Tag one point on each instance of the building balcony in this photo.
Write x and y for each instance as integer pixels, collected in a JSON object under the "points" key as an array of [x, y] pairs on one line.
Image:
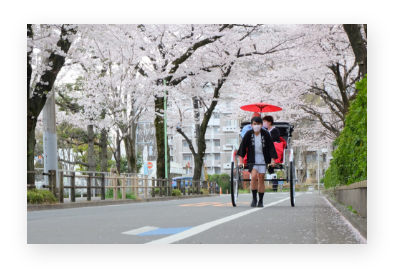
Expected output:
{"points": [[227, 166], [229, 128], [214, 122], [227, 148]]}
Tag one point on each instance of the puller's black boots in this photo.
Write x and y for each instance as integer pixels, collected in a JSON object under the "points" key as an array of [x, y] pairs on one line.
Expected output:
{"points": [[260, 200], [254, 202]]}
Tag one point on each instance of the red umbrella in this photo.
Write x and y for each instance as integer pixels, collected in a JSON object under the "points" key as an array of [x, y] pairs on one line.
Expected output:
{"points": [[261, 107]]}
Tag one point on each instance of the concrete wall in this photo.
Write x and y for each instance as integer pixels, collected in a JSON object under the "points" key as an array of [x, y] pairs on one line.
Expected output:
{"points": [[354, 195]]}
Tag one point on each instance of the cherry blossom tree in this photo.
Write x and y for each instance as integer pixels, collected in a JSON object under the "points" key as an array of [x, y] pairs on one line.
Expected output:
{"points": [[220, 65], [47, 46], [315, 81], [308, 70]]}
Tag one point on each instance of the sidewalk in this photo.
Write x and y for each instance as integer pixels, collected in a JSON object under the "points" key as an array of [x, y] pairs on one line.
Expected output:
{"points": [[358, 222], [96, 201]]}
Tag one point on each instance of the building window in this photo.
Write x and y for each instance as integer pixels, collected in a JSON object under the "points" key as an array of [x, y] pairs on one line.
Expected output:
{"points": [[324, 157], [216, 143], [208, 130], [217, 170], [216, 128], [187, 158], [230, 123], [228, 158], [185, 143], [231, 141], [216, 116], [206, 156], [217, 157]]}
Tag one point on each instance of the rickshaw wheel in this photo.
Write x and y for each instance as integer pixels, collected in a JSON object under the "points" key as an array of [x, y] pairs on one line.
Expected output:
{"points": [[292, 186]]}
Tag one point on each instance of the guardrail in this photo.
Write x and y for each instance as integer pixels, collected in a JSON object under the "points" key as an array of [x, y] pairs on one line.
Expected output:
{"points": [[123, 182], [52, 181], [195, 188]]}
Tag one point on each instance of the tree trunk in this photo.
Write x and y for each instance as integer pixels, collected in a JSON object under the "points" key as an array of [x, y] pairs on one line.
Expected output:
{"points": [[304, 164], [91, 157], [130, 149], [201, 150], [31, 148], [130, 154], [200, 141], [118, 154], [356, 41], [103, 151], [159, 126]]}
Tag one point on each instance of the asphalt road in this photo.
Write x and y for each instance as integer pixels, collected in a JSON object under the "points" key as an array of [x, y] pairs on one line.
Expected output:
{"points": [[210, 220]]}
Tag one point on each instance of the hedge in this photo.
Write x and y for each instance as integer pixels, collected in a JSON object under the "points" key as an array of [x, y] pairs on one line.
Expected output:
{"points": [[36, 196], [349, 163]]}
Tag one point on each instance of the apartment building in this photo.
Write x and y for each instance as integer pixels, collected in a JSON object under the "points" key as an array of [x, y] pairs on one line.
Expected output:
{"points": [[220, 132]]}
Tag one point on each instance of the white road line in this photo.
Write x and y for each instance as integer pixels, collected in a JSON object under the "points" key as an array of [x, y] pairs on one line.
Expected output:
{"points": [[206, 226], [139, 230]]}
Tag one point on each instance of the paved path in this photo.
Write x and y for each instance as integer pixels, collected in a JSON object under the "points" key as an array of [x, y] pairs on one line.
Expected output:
{"points": [[210, 220]]}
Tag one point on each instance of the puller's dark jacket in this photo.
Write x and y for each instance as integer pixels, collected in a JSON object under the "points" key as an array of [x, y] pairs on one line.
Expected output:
{"points": [[268, 147]]}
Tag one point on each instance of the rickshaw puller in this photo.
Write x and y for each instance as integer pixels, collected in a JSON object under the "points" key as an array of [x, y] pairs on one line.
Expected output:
{"points": [[260, 151]]}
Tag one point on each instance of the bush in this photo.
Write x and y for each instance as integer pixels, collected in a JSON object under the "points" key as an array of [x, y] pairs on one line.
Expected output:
{"points": [[110, 194], [203, 191], [176, 192], [36, 196], [214, 178], [224, 182], [157, 191], [349, 163], [322, 180]]}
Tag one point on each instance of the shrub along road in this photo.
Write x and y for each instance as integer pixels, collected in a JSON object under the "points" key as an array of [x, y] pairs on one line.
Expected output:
{"points": [[208, 220]]}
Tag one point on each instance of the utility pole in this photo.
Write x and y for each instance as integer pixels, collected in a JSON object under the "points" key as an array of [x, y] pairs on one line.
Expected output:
{"points": [[165, 132], [50, 137]]}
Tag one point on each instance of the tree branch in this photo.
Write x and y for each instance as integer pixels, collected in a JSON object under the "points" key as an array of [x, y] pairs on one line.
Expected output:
{"points": [[179, 130], [74, 162]]}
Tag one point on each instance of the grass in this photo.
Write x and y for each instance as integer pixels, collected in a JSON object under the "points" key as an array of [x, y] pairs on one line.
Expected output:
{"points": [[176, 192], [244, 191], [36, 196], [350, 208], [204, 191], [110, 194]]}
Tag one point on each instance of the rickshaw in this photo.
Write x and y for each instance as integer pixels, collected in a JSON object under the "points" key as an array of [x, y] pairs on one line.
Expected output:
{"points": [[287, 165]]}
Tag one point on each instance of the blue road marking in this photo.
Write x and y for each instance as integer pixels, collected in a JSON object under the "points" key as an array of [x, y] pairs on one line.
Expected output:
{"points": [[164, 231]]}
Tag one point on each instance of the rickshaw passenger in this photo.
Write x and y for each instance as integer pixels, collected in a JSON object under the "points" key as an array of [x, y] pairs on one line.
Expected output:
{"points": [[268, 122], [261, 151], [279, 142]]}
